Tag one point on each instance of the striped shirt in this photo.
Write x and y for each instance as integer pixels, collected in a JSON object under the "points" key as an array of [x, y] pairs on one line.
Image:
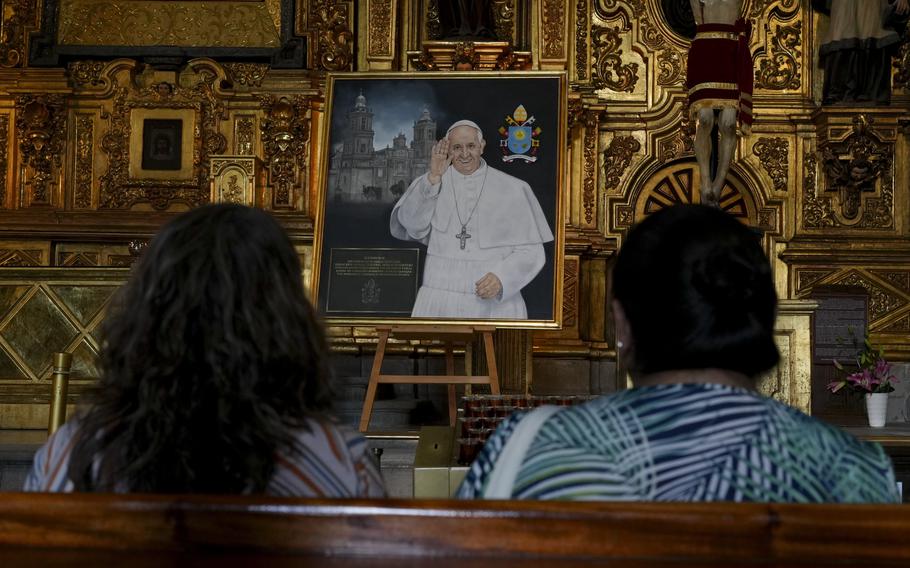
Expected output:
{"points": [[326, 461], [689, 442]]}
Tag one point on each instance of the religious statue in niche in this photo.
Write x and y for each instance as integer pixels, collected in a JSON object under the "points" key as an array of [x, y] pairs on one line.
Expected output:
{"points": [[719, 81], [856, 52], [466, 19]]}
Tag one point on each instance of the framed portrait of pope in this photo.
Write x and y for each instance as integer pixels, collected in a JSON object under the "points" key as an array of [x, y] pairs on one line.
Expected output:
{"points": [[441, 199]]}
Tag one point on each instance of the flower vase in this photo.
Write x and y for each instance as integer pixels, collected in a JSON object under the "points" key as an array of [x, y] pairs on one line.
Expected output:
{"points": [[877, 408]]}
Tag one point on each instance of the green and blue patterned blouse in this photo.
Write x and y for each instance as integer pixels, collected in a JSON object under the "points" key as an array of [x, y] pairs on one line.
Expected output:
{"points": [[690, 442]]}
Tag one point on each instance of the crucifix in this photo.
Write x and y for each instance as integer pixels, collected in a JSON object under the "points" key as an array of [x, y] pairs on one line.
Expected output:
{"points": [[463, 236]]}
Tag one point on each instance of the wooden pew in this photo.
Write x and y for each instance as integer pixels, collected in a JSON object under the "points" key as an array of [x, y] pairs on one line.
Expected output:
{"points": [[54, 529]]}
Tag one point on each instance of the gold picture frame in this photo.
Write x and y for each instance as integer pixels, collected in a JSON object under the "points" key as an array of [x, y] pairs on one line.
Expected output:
{"points": [[378, 134], [175, 128]]}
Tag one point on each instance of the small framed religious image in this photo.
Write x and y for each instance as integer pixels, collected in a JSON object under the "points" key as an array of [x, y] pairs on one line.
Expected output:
{"points": [[161, 144], [161, 140], [441, 199]]}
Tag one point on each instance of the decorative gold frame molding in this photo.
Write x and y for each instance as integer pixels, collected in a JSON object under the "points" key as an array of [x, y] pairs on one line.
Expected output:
{"points": [[118, 189], [559, 223]]}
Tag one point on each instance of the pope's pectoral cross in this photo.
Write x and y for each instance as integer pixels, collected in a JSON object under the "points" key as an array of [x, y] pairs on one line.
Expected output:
{"points": [[463, 236]]}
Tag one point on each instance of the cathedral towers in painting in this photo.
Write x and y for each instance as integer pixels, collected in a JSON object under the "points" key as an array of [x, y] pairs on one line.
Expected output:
{"points": [[360, 172]]}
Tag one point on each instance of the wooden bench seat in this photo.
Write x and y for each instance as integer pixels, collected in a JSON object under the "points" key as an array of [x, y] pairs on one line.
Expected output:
{"points": [[55, 529]]}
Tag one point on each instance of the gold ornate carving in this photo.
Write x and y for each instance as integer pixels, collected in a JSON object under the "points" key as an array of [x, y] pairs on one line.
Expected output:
{"points": [[766, 218], [331, 21], [674, 184], [244, 132], [185, 24], [902, 65], [589, 189], [86, 73], [609, 71], [670, 64], [570, 292], [234, 179], [581, 39], [617, 157], [881, 301], [433, 27], [285, 131], [625, 216], [85, 150], [606, 8], [17, 17], [901, 325], [511, 60], [247, 74], [853, 168], [554, 21], [504, 19], [78, 259], [817, 212], [899, 279], [380, 27], [780, 70], [4, 144], [41, 130], [425, 62], [806, 279], [466, 55], [137, 247], [118, 190], [575, 112], [678, 145], [15, 257], [773, 154], [760, 6]]}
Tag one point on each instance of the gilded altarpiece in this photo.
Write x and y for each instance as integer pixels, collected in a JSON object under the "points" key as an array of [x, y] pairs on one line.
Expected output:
{"points": [[826, 186]]}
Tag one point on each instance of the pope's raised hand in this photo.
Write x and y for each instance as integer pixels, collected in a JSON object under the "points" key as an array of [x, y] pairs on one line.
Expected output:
{"points": [[439, 161]]}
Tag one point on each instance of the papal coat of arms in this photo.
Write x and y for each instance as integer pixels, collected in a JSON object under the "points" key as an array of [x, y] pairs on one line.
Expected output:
{"points": [[519, 137]]}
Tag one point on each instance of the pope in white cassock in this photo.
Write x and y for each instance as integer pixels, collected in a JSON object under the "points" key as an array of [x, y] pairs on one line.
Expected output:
{"points": [[483, 228]]}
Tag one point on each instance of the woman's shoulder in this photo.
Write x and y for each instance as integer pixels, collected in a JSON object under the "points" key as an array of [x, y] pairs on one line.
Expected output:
{"points": [[50, 467], [326, 459], [331, 438]]}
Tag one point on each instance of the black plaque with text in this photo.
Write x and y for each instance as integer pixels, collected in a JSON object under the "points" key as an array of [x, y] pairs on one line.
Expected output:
{"points": [[373, 281]]}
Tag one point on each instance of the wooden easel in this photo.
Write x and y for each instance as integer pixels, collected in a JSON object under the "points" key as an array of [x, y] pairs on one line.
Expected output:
{"points": [[450, 335]]}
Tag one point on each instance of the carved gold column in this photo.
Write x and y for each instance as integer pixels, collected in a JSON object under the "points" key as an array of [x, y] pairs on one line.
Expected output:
{"points": [[6, 165], [377, 25], [285, 132], [17, 19], [553, 35], [513, 349], [40, 130], [329, 26]]}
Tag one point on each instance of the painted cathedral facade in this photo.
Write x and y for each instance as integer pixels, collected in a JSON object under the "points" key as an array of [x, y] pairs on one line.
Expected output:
{"points": [[358, 172]]}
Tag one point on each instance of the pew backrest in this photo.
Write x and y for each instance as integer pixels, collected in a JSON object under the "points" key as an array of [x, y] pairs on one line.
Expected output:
{"points": [[653, 533]]}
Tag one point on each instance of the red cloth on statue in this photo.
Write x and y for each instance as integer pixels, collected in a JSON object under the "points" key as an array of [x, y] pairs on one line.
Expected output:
{"points": [[719, 71]]}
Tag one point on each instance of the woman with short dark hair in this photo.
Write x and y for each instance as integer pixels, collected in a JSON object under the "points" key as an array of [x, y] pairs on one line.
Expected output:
{"points": [[214, 376], [694, 307]]}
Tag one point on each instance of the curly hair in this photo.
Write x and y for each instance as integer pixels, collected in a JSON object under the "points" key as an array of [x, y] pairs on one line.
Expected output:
{"points": [[211, 357]]}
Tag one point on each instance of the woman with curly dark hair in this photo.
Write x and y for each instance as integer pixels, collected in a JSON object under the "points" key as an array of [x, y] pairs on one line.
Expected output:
{"points": [[214, 376]]}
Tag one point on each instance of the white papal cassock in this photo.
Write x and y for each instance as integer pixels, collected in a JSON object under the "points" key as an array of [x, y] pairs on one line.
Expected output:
{"points": [[507, 230]]}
